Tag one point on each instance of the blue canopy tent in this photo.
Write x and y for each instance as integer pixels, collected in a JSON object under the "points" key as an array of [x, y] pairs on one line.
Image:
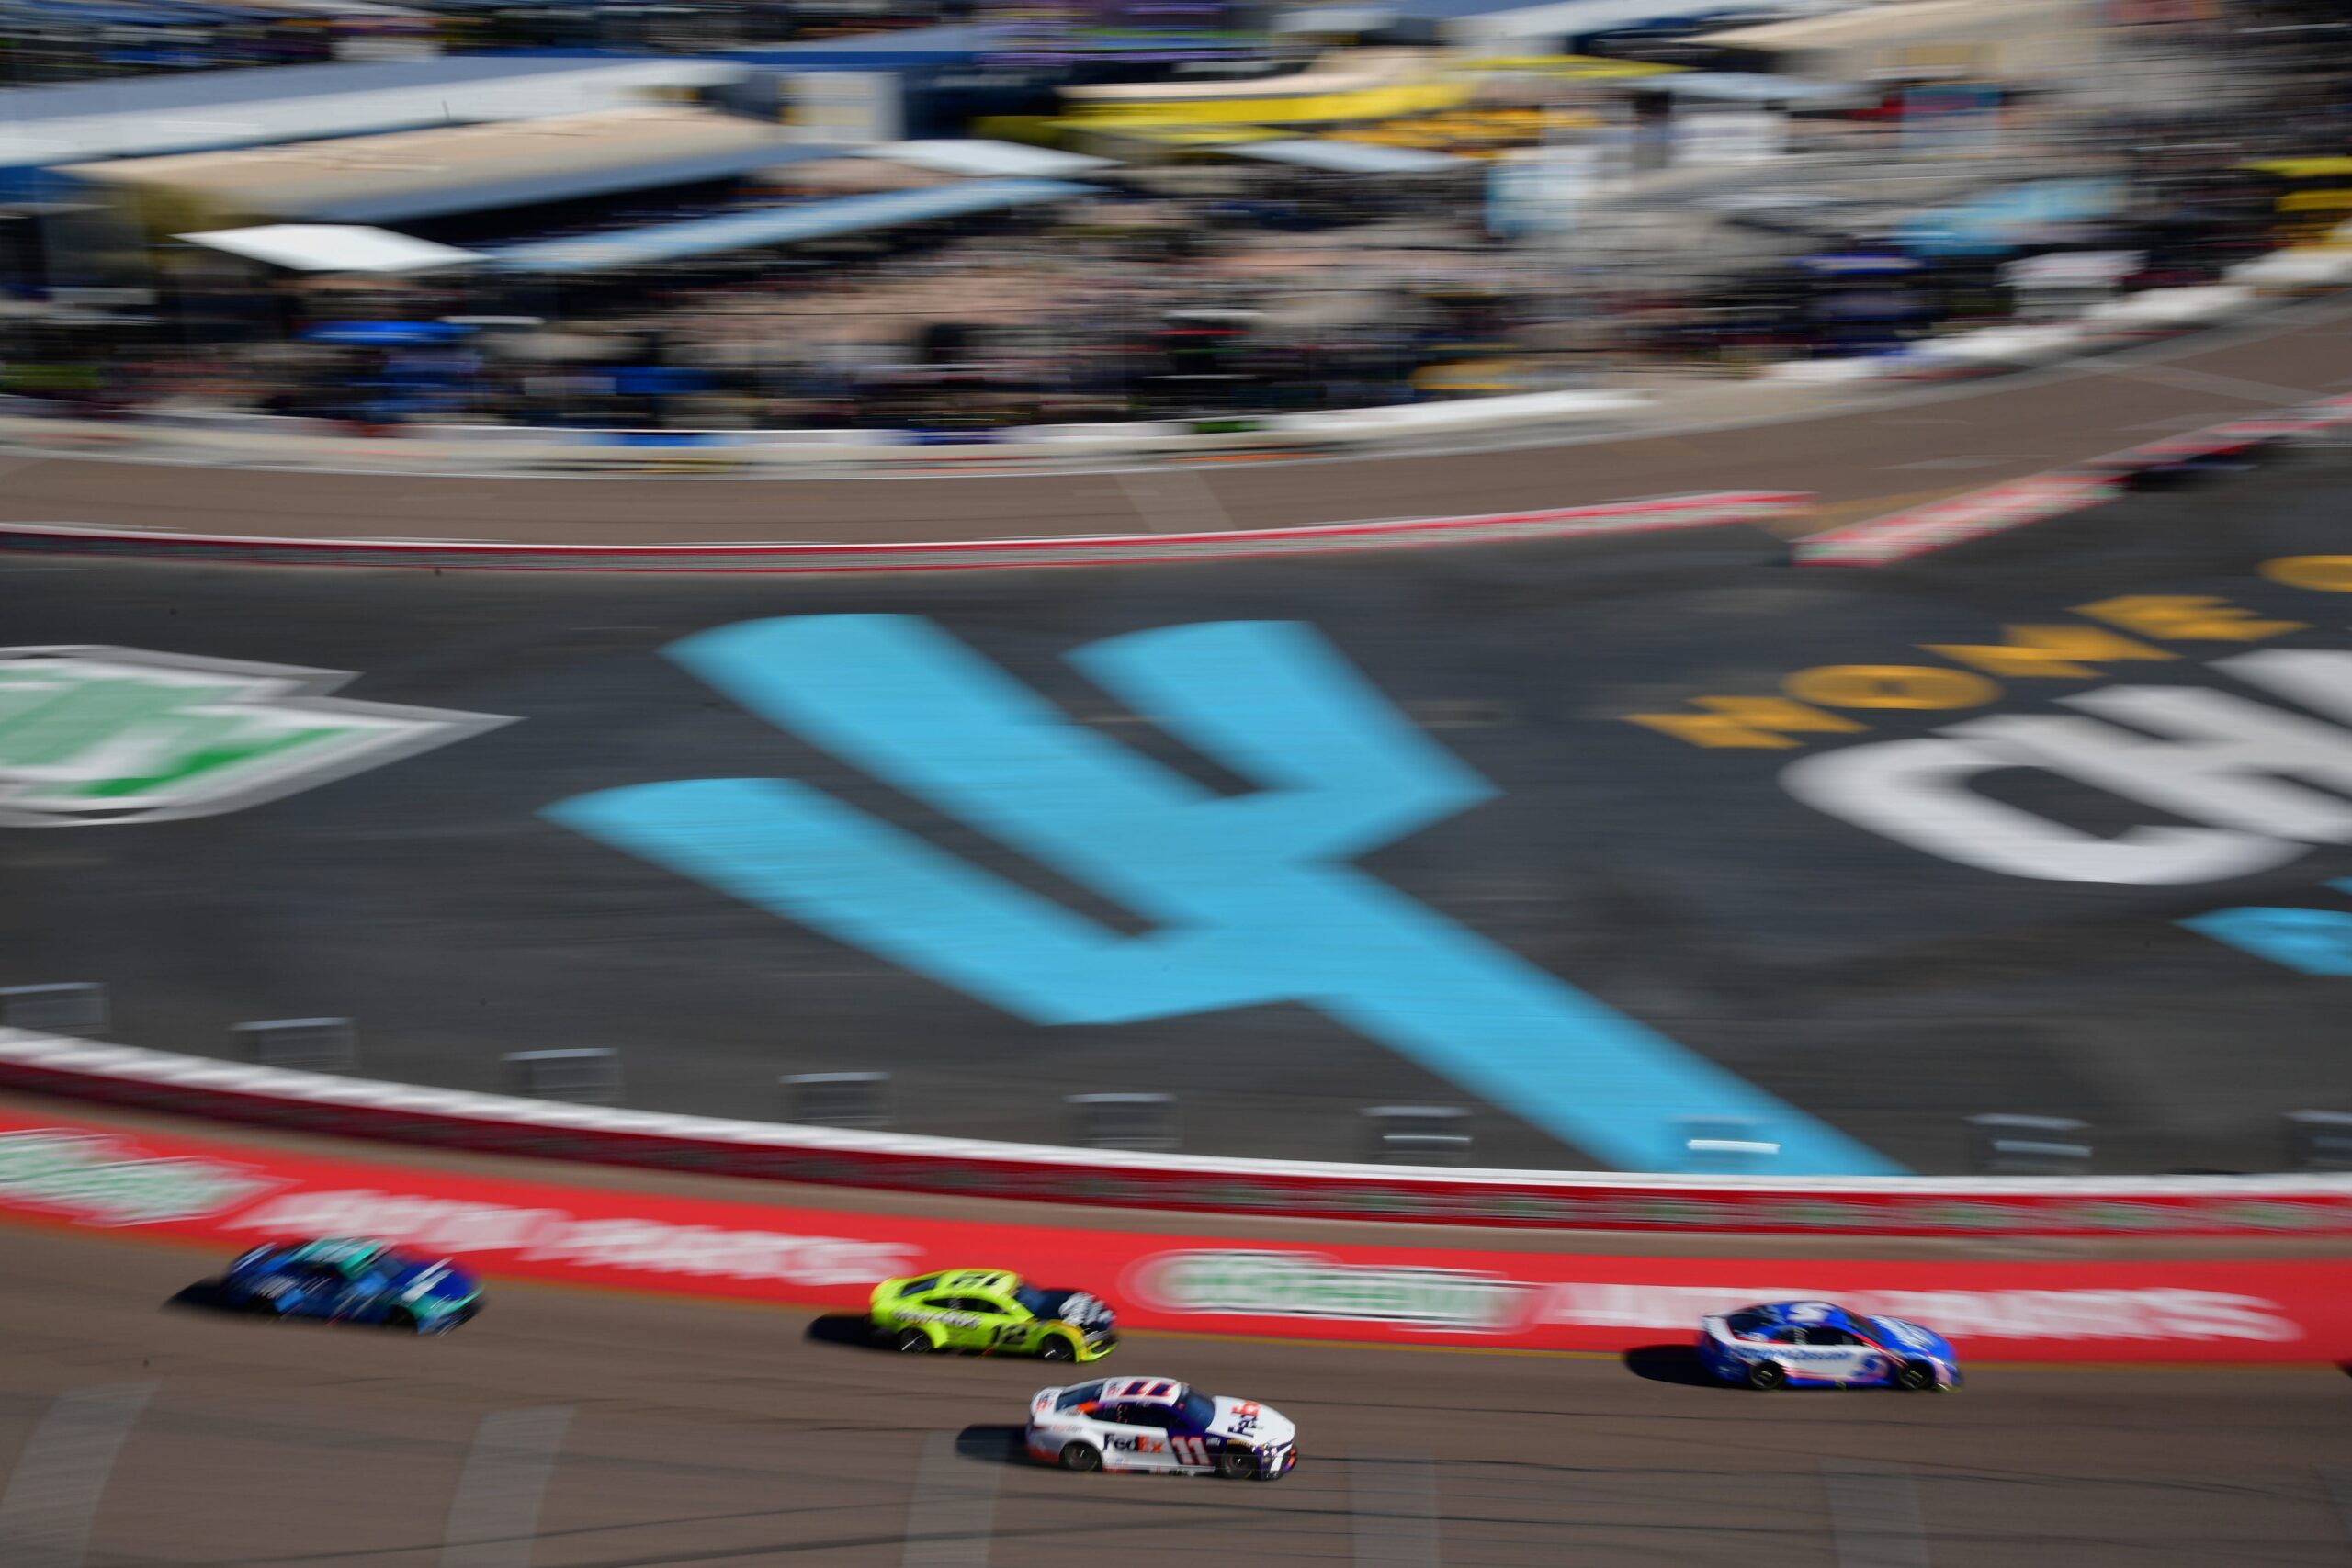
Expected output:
{"points": [[2011, 218], [384, 334], [660, 380], [107, 16], [1864, 264], [954, 43]]}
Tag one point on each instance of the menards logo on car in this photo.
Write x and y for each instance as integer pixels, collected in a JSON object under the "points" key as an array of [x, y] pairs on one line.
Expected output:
{"points": [[104, 1180], [101, 735], [2239, 769], [1300, 1285]]}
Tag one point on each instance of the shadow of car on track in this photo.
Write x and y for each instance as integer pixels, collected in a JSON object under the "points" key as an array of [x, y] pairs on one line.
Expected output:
{"points": [[993, 1445], [846, 1329], [207, 1295], [1673, 1363]]}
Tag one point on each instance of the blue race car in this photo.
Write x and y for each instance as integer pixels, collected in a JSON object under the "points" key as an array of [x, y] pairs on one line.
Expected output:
{"points": [[350, 1281], [1819, 1344]]}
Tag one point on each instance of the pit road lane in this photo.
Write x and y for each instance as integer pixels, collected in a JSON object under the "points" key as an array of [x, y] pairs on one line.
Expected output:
{"points": [[713, 1436]]}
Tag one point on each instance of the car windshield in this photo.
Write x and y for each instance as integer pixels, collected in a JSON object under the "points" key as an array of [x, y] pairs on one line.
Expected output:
{"points": [[917, 1287], [1747, 1323], [1199, 1412], [1041, 1304], [1073, 1398]]}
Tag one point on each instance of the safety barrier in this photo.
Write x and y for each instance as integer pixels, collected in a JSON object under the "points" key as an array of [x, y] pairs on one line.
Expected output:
{"points": [[2012, 346], [489, 450], [2109, 326], [2295, 1205], [1112, 550], [1939, 525], [277, 441], [75, 1174]]}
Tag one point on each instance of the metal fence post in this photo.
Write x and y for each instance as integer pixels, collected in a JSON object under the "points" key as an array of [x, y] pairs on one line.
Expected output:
{"points": [[585, 1075], [72, 1007], [310, 1044]]}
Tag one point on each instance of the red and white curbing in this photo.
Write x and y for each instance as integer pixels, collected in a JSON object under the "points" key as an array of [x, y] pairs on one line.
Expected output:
{"points": [[2300, 1206], [1921, 530], [1757, 507], [1939, 525]]}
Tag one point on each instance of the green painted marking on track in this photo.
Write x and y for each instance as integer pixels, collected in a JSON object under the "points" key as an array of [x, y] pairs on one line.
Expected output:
{"points": [[189, 764], [93, 735]]}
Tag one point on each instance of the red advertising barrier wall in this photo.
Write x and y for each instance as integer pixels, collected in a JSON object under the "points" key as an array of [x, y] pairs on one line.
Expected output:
{"points": [[320, 1102], [76, 1175]]}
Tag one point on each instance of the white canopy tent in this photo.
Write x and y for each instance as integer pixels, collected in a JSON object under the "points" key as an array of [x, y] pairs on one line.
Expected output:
{"points": [[1342, 156], [332, 247], [140, 117], [987, 160]]}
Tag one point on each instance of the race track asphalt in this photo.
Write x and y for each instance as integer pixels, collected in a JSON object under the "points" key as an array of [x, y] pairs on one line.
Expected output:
{"points": [[437, 903], [675, 1434], [443, 904], [672, 1434], [1898, 444]]}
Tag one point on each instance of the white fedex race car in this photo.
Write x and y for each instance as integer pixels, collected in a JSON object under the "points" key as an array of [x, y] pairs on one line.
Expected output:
{"points": [[1158, 1424], [1820, 1343]]}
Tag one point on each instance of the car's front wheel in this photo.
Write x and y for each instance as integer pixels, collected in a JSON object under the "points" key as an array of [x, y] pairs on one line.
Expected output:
{"points": [[262, 1306], [1232, 1466], [1916, 1377], [914, 1342], [1766, 1375], [1057, 1348], [1080, 1457], [400, 1320]]}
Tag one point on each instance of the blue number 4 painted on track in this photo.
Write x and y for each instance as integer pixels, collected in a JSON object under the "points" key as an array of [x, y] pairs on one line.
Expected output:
{"points": [[2315, 941], [1251, 897]]}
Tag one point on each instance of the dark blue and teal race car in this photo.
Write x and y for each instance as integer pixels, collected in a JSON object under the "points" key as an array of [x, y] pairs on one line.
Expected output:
{"points": [[1821, 1345], [349, 1281]]}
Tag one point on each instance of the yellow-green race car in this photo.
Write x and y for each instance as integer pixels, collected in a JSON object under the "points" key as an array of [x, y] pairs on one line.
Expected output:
{"points": [[991, 1312]]}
